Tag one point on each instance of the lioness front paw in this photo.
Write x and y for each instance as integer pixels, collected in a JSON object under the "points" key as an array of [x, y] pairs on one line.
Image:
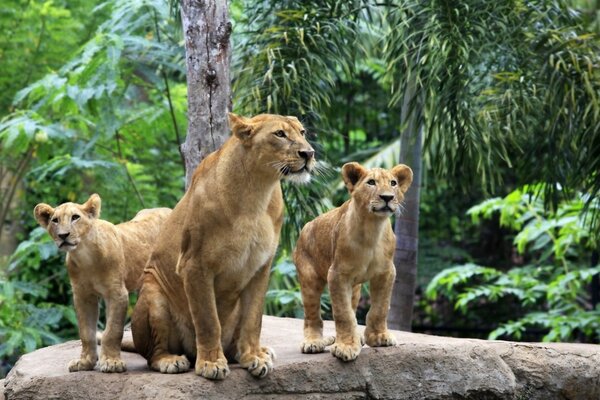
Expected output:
{"points": [[259, 365], [171, 364], [212, 370], [81, 364], [317, 345], [109, 364], [381, 339], [345, 352]]}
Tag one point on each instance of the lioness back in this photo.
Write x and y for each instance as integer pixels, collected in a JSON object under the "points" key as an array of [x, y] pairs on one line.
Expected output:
{"points": [[138, 236]]}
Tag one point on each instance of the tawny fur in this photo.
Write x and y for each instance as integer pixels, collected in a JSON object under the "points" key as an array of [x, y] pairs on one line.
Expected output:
{"points": [[205, 283], [346, 247], [103, 261]]}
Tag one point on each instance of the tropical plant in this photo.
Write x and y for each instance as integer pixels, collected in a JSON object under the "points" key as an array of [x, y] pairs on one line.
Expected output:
{"points": [[550, 286]]}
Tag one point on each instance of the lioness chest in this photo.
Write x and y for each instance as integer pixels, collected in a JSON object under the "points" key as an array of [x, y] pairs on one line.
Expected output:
{"points": [[236, 251]]}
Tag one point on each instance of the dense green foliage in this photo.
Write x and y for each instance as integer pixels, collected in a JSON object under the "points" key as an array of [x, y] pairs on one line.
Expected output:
{"points": [[549, 275], [94, 100]]}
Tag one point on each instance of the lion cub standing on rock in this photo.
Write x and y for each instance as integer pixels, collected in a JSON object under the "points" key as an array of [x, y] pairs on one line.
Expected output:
{"points": [[345, 247], [103, 260]]}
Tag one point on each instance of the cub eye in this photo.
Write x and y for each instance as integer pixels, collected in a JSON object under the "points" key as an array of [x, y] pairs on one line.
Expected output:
{"points": [[394, 183], [75, 217], [55, 220], [280, 133], [371, 182], [303, 132]]}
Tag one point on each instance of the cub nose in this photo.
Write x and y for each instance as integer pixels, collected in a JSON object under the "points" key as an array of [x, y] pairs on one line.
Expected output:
{"points": [[306, 154], [63, 236], [386, 197]]}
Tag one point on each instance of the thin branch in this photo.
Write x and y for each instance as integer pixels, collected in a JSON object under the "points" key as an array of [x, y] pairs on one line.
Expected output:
{"points": [[168, 94], [131, 180], [20, 172]]}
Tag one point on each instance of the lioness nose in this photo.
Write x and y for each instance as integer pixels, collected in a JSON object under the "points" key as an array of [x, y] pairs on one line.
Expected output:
{"points": [[386, 197], [306, 154], [63, 236]]}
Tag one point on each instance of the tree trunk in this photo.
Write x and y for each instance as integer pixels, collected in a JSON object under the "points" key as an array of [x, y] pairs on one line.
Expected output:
{"points": [[207, 30], [407, 225]]}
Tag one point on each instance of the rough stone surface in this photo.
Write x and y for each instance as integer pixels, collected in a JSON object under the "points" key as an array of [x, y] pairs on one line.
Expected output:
{"points": [[420, 367]]}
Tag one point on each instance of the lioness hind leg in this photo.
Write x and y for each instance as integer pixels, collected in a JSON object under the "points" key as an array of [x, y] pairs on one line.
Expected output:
{"points": [[376, 332], [150, 327], [311, 287]]}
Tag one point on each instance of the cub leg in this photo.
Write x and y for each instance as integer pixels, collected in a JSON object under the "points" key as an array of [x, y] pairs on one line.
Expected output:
{"points": [[355, 296], [198, 283], [258, 360], [311, 287], [151, 328], [116, 311], [376, 332], [348, 342], [86, 308]]}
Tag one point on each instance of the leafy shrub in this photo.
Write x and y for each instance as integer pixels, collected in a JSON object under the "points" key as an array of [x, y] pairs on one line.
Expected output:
{"points": [[550, 285]]}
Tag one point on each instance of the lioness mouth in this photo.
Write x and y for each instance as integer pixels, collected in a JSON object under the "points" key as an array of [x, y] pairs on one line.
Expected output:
{"points": [[385, 208], [287, 170], [65, 243]]}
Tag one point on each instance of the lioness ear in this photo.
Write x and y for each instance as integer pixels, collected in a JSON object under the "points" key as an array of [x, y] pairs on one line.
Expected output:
{"points": [[240, 126], [404, 175], [351, 173], [42, 213], [92, 206]]}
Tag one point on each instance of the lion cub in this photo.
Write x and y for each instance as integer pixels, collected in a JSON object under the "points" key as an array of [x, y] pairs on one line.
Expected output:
{"points": [[346, 247], [103, 260]]}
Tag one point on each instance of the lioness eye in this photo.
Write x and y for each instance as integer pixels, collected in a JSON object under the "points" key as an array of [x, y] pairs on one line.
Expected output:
{"points": [[280, 133], [371, 182], [55, 220], [303, 132], [394, 183], [75, 217]]}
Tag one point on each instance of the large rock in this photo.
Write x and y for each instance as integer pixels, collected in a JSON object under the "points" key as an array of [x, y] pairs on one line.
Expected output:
{"points": [[420, 367]]}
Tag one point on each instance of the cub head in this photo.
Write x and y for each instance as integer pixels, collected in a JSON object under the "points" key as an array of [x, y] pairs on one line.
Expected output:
{"points": [[378, 191], [69, 223], [276, 144]]}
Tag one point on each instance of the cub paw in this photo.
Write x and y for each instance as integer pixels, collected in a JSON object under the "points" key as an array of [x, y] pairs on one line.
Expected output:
{"points": [[108, 364], [212, 370], [381, 339], [259, 365], [345, 352], [312, 346], [81, 364], [172, 364]]}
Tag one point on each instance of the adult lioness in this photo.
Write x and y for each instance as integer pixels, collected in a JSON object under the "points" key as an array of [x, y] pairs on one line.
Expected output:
{"points": [[103, 261], [206, 279], [345, 247]]}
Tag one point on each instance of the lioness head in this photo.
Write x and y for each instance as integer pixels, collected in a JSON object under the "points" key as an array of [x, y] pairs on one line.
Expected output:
{"points": [[278, 144], [377, 190], [68, 223]]}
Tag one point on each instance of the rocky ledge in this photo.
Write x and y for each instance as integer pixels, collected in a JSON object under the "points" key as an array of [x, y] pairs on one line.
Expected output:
{"points": [[420, 367]]}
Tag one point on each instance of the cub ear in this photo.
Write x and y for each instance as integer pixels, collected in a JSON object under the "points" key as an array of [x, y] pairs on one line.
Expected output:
{"points": [[240, 126], [92, 206], [42, 213], [404, 175], [351, 173]]}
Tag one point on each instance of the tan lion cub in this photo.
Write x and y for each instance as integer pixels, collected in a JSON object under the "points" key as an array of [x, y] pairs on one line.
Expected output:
{"points": [[346, 247], [103, 261]]}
